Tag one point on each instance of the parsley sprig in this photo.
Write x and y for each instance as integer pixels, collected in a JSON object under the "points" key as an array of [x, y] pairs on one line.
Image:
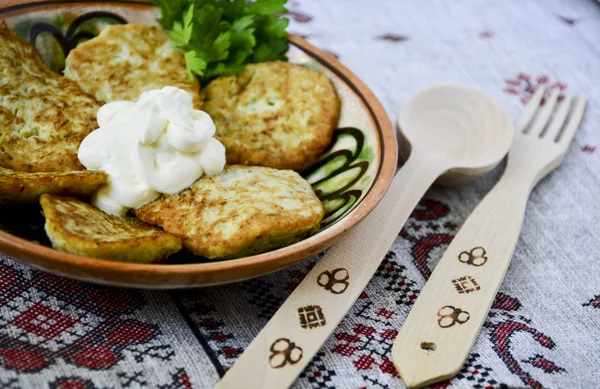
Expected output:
{"points": [[218, 37]]}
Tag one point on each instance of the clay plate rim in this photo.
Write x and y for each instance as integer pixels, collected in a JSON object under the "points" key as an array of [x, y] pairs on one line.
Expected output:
{"points": [[167, 276]]}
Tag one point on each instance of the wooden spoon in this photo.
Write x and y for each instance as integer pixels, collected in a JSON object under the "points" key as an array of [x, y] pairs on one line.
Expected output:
{"points": [[452, 130]]}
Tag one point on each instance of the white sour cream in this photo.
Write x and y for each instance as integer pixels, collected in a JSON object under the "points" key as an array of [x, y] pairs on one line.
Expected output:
{"points": [[159, 144]]}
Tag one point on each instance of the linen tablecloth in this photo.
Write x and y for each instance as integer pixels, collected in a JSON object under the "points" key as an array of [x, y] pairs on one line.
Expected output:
{"points": [[544, 328]]}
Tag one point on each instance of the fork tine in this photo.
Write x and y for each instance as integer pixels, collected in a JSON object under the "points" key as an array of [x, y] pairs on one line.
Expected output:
{"points": [[537, 128], [530, 109], [559, 118], [573, 123]]}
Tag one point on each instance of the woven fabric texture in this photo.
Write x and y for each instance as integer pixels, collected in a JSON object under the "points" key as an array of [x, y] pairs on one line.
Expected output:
{"points": [[544, 328]]}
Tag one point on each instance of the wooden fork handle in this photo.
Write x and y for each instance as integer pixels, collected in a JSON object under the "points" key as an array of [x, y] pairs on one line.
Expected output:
{"points": [[308, 317], [440, 330]]}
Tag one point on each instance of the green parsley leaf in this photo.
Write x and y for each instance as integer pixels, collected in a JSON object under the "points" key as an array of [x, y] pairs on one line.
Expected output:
{"points": [[194, 64], [267, 7], [187, 24], [219, 37], [245, 22], [176, 34], [170, 11]]}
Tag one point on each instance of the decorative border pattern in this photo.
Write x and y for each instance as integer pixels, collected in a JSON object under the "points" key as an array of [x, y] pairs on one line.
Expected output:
{"points": [[74, 35]]}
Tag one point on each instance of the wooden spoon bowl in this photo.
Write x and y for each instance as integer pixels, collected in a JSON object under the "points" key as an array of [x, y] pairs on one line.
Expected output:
{"points": [[471, 129]]}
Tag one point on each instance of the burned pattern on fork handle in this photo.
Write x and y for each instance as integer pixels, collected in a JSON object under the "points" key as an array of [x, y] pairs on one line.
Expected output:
{"points": [[466, 284], [476, 257], [335, 281], [449, 316], [284, 352]]}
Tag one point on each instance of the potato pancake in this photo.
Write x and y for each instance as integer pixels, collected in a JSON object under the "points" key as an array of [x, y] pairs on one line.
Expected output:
{"points": [[242, 211], [274, 114], [43, 116], [77, 227], [17, 187], [125, 60]]}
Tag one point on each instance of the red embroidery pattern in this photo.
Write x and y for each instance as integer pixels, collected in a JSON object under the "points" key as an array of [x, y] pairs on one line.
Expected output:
{"points": [[393, 275], [504, 324], [569, 21], [49, 317], [506, 303], [204, 316], [367, 347], [485, 34], [72, 383], [544, 364], [595, 302], [44, 319], [299, 16], [425, 232], [475, 373], [524, 86], [318, 374], [501, 337], [393, 37]]}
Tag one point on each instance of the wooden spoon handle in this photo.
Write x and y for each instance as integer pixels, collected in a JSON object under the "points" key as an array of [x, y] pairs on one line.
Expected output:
{"points": [[308, 317], [440, 330]]}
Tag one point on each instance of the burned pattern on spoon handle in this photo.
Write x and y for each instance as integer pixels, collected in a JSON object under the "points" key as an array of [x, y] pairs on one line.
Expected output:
{"points": [[335, 281]]}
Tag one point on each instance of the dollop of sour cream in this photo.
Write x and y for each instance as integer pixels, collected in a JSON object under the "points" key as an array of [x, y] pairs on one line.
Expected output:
{"points": [[159, 144]]}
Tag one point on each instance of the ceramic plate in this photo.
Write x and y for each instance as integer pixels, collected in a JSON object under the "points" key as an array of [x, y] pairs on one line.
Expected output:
{"points": [[350, 177]]}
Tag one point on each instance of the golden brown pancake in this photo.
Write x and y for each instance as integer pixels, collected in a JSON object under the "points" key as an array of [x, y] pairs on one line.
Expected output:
{"points": [[28, 187], [43, 116], [274, 114], [77, 227], [244, 210], [125, 60]]}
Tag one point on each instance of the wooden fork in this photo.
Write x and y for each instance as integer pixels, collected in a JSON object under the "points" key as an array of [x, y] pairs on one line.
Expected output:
{"points": [[440, 330]]}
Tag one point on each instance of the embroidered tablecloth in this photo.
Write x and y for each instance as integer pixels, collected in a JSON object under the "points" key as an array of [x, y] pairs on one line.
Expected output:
{"points": [[544, 328]]}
